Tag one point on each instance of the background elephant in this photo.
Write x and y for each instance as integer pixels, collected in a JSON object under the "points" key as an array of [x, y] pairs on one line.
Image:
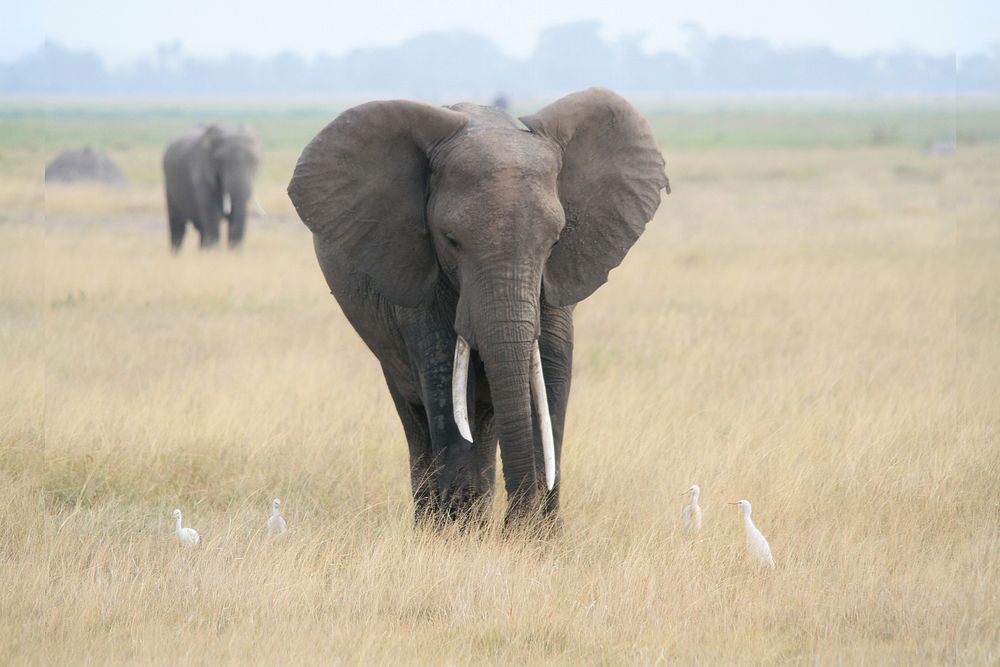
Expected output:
{"points": [[457, 242], [84, 164], [209, 174]]}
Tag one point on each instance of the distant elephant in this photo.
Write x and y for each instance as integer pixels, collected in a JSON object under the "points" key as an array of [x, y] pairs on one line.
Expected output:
{"points": [[457, 242], [209, 173], [84, 164]]}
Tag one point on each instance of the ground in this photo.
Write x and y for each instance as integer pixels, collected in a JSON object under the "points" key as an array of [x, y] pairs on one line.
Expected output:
{"points": [[811, 322]]}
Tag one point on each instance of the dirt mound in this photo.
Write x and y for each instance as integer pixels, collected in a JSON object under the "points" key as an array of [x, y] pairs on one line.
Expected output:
{"points": [[84, 164]]}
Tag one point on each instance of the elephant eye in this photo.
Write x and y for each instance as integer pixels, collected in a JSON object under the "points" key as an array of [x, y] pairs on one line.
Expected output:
{"points": [[451, 240]]}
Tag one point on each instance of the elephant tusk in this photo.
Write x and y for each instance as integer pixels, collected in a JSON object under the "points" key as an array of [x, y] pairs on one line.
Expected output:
{"points": [[544, 418], [227, 204], [459, 384]]}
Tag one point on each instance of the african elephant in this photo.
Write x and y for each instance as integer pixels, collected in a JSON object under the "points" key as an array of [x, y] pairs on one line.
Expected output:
{"points": [[457, 242], [209, 174]]}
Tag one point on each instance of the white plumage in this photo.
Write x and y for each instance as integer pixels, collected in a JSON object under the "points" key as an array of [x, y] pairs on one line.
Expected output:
{"points": [[757, 545], [691, 514], [276, 523], [189, 537]]}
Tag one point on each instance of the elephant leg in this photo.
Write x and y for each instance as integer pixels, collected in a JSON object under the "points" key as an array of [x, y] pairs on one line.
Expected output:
{"points": [[235, 231], [209, 233], [209, 215], [178, 223], [556, 347], [458, 475], [430, 348], [485, 436], [423, 469], [237, 220], [483, 422]]}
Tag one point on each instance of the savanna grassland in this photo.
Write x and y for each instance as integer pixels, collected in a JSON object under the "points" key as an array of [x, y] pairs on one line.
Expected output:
{"points": [[812, 321]]}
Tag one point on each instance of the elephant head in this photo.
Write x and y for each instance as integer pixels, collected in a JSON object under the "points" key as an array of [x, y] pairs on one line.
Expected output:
{"points": [[416, 196], [234, 158]]}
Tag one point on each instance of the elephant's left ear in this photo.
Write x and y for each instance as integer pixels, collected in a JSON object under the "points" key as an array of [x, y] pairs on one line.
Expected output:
{"points": [[610, 181]]}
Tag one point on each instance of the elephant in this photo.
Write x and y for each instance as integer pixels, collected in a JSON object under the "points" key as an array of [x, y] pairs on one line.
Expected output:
{"points": [[457, 243], [84, 164], [209, 172]]}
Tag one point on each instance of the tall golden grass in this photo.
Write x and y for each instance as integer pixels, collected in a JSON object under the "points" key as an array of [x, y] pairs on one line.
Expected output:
{"points": [[815, 330]]}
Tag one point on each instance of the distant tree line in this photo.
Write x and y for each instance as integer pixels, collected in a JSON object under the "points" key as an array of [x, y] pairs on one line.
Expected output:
{"points": [[457, 63]]}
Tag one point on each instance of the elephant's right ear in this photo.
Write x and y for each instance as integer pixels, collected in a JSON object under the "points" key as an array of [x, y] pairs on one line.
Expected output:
{"points": [[361, 185]]}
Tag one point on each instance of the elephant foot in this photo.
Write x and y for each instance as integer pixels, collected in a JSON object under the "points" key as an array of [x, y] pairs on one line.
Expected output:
{"points": [[466, 507], [462, 507], [536, 515], [426, 509], [540, 526]]}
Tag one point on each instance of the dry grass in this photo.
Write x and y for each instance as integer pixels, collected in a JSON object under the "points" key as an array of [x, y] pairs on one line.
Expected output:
{"points": [[816, 330]]}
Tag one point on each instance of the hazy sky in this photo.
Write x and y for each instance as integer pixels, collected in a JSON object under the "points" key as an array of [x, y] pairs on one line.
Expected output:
{"points": [[121, 30]]}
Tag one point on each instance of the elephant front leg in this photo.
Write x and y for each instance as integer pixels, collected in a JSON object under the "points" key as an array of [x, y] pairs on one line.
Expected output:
{"points": [[209, 234], [556, 347], [177, 222], [237, 223], [208, 219], [423, 471], [458, 481], [485, 436]]}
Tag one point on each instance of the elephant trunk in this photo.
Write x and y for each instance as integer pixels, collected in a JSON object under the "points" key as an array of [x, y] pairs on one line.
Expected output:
{"points": [[507, 359], [237, 189], [459, 393], [504, 322]]}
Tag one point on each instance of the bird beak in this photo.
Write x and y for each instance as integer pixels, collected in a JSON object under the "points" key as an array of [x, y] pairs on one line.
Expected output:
{"points": [[732, 503]]}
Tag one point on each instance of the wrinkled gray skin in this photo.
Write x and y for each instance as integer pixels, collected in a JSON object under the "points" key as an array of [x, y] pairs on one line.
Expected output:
{"points": [[430, 222], [200, 168]]}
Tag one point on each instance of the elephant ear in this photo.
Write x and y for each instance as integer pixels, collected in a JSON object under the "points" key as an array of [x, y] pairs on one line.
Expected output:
{"points": [[361, 186], [609, 185]]}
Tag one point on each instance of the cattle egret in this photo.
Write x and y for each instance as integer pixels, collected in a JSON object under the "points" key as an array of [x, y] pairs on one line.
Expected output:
{"points": [[189, 537], [275, 523], [691, 514], [756, 544]]}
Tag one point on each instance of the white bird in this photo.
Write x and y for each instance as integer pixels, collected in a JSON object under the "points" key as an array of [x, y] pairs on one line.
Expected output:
{"points": [[756, 543], [691, 514], [189, 537], [275, 523]]}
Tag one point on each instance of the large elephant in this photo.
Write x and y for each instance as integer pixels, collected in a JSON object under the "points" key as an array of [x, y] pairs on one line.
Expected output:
{"points": [[209, 173], [457, 242]]}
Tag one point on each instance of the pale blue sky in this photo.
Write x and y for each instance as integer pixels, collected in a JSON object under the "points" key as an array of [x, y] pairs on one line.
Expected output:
{"points": [[122, 30]]}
